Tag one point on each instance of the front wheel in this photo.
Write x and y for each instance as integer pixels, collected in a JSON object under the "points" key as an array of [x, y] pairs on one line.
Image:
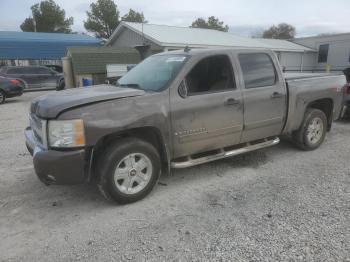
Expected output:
{"points": [[313, 130], [2, 97], [128, 169]]}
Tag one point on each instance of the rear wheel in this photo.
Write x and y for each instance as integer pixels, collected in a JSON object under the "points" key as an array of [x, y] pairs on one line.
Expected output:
{"points": [[61, 85], [313, 130], [2, 97], [129, 169]]}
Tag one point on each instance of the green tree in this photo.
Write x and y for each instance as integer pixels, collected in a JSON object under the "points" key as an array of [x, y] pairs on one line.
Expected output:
{"points": [[134, 16], [103, 18], [47, 17], [211, 23], [281, 31]]}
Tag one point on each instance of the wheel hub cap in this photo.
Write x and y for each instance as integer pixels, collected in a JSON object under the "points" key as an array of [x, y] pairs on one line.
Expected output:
{"points": [[133, 173], [315, 130]]}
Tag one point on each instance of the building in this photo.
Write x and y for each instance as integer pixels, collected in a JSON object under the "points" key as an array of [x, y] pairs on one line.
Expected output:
{"points": [[333, 51], [27, 48], [293, 57], [91, 62]]}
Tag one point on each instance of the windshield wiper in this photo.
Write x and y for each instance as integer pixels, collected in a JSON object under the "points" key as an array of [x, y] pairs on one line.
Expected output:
{"points": [[135, 86]]}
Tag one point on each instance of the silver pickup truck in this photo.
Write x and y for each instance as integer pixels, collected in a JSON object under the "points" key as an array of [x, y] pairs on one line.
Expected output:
{"points": [[175, 110]]}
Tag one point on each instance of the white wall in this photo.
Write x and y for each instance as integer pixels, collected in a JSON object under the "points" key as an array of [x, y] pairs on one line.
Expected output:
{"points": [[294, 61], [338, 53]]}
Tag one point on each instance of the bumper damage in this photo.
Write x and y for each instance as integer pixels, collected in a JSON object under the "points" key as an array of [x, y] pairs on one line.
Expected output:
{"points": [[56, 167]]}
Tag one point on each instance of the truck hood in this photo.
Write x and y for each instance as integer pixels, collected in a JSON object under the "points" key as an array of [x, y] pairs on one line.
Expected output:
{"points": [[51, 105]]}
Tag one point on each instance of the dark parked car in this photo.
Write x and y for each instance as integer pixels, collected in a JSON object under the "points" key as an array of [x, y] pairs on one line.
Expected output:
{"points": [[346, 110], [57, 68], [9, 88], [34, 76]]}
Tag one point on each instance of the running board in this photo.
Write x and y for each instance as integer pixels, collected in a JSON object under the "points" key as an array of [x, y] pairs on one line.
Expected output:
{"points": [[190, 161]]}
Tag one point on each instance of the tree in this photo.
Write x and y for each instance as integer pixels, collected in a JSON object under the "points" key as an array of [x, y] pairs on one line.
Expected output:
{"points": [[103, 18], [47, 17], [282, 31], [211, 23], [134, 16]]}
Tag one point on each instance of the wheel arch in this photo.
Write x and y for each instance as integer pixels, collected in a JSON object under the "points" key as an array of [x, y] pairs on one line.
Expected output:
{"points": [[23, 81], [326, 106], [149, 134]]}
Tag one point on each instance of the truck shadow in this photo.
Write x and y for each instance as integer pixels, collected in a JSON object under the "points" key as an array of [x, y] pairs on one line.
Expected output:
{"points": [[88, 194], [253, 160]]}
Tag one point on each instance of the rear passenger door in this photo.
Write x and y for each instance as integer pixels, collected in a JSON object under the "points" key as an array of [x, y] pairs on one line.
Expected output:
{"points": [[264, 95]]}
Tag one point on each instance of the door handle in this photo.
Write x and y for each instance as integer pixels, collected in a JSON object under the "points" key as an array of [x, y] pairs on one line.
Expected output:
{"points": [[231, 101], [276, 95]]}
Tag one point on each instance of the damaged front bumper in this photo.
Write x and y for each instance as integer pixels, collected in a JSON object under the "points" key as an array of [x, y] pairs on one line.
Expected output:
{"points": [[56, 167]]}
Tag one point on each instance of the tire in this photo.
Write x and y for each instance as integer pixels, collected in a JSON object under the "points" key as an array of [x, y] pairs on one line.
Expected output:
{"points": [[135, 163], [312, 131], [2, 97], [61, 86]]}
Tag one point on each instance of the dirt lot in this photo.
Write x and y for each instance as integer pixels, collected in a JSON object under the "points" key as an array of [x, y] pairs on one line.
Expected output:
{"points": [[278, 204]]}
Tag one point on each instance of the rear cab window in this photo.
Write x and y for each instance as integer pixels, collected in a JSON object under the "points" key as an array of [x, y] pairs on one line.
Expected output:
{"points": [[258, 70]]}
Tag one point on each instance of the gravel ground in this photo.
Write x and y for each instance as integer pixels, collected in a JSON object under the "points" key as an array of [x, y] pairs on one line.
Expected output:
{"points": [[277, 204]]}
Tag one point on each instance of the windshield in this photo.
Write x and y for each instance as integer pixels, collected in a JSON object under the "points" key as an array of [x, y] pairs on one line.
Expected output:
{"points": [[154, 73]]}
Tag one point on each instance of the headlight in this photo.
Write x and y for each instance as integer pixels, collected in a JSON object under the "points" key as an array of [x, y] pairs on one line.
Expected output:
{"points": [[66, 133]]}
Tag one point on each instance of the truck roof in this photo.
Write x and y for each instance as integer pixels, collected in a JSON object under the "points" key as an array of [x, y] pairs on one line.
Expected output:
{"points": [[196, 51]]}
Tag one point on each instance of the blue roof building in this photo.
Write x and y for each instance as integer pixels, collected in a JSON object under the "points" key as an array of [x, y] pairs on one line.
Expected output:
{"points": [[40, 46]]}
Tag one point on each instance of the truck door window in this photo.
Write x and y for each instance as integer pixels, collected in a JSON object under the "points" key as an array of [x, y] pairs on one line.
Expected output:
{"points": [[258, 70], [211, 74]]}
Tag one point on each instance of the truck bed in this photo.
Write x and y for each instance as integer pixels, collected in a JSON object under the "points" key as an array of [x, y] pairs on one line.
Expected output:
{"points": [[304, 88], [301, 75]]}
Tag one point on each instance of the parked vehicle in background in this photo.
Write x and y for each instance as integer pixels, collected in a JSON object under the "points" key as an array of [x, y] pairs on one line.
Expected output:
{"points": [[175, 110], [346, 110], [9, 88], [34, 76], [56, 68]]}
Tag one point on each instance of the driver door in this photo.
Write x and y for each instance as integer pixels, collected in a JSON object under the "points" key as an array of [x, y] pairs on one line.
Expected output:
{"points": [[210, 115]]}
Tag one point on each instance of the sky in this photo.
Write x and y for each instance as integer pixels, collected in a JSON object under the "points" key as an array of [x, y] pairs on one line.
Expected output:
{"points": [[245, 18]]}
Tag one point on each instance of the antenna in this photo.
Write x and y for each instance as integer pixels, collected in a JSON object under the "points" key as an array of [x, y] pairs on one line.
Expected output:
{"points": [[187, 49], [143, 36]]}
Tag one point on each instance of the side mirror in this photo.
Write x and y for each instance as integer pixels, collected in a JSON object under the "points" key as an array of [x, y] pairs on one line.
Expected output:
{"points": [[183, 90]]}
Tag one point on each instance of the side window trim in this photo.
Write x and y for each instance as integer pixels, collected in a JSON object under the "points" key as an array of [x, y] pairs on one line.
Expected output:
{"points": [[276, 80], [232, 72]]}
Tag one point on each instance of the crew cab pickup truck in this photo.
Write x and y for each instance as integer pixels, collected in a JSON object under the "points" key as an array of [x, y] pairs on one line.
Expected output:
{"points": [[176, 110]]}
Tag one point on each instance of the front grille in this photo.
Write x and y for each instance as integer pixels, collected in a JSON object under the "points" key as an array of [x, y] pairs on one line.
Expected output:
{"points": [[37, 126]]}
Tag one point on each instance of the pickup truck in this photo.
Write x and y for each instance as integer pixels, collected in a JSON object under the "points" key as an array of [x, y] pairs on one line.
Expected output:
{"points": [[175, 110]]}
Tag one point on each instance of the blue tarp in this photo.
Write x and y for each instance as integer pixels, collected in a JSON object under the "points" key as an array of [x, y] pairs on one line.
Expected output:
{"points": [[36, 46]]}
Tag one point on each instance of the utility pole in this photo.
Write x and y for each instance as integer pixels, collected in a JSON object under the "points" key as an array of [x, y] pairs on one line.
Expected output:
{"points": [[34, 22]]}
